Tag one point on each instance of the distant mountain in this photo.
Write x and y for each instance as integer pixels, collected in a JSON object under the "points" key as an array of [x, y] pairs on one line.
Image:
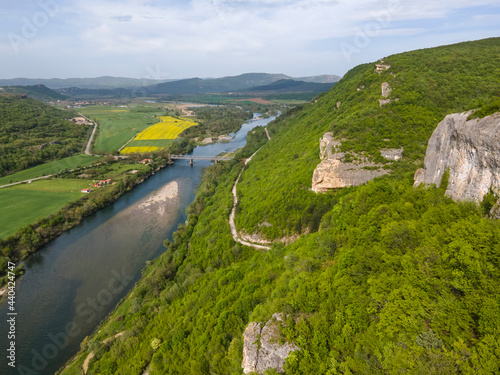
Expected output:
{"points": [[105, 82], [216, 85], [290, 86], [237, 83], [192, 86], [325, 78], [39, 92]]}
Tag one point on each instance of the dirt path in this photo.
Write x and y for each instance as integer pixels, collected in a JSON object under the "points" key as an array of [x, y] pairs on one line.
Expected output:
{"points": [[267, 133], [234, 231], [25, 181], [87, 361], [125, 145], [91, 354]]}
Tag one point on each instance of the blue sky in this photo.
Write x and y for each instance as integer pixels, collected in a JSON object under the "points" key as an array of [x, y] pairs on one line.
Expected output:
{"points": [[163, 39]]}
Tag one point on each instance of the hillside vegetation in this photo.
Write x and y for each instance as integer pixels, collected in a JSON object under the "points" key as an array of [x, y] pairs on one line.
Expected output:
{"points": [[389, 279], [32, 133], [429, 85], [38, 92]]}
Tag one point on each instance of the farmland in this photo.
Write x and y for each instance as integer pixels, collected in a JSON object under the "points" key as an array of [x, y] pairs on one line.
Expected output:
{"points": [[159, 136], [117, 125], [169, 128], [25, 204], [49, 168], [140, 149]]}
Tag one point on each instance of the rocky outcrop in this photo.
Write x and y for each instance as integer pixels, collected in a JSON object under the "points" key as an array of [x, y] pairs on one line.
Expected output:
{"points": [[335, 172], [470, 149], [379, 68], [386, 89], [262, 349], [393, 154]]}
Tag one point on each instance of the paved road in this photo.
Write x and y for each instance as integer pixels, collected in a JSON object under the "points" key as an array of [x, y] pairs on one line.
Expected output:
{"points": [[89, 144]]}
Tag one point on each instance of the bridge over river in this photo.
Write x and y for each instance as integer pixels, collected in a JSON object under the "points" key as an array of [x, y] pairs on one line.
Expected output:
{"points": [[193, 158]]}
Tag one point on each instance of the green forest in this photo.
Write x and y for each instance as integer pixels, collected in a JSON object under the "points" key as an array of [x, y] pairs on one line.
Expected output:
{"points": [[225, 119], [385, 278], [32, 133]]}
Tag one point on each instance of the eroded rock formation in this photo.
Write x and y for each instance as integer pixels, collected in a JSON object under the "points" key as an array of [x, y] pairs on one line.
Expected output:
{"points": [[262, 349], [334, 172], [471, 151]]}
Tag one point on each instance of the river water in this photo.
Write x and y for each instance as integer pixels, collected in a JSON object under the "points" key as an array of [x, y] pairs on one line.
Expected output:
{"points": [[73, 283]]}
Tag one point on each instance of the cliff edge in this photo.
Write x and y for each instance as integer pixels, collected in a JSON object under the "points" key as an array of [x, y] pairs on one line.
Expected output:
{"points": [[470, 149], [336, 171]]}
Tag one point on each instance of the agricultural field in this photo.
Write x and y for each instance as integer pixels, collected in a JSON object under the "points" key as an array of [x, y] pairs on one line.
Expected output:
{"points": [[159, 136], [118, 125], [26, 203], [169, 128], [139, 150], [49, 168]]}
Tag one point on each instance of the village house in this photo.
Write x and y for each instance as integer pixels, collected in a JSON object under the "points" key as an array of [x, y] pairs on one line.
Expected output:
{"points": [[101, 183]]}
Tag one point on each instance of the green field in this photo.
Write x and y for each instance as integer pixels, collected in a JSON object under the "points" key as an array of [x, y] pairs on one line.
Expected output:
{"points": [[117, 125], [26, 203], [49, 168]]}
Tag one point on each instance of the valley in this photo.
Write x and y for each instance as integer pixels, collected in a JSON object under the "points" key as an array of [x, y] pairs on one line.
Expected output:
{"points": [[354, 231]]}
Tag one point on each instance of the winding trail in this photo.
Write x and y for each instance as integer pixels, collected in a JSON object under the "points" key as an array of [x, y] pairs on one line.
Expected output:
{"points": [[234, 231]]}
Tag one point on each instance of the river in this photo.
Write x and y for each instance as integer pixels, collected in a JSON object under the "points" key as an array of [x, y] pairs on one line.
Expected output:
{"points": [[75, 281]]}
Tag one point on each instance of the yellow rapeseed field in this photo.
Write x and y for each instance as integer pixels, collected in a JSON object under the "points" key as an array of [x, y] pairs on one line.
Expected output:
{"points": [[142, 149], [169, 128]]}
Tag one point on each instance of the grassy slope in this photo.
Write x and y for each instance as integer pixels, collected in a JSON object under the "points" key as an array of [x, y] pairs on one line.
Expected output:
{"points": [[397, 279], [429, 85]]}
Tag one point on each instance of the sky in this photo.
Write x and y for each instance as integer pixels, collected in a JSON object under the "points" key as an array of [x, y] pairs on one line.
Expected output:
{"points": [[171, 39]]}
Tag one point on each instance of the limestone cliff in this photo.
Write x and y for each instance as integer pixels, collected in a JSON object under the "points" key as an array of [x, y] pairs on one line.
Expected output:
{"points": [[471, 151], [261, 347], [335, 172]]}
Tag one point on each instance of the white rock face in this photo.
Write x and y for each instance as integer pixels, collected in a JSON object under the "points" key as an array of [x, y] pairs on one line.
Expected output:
{"points": [[261, 347], [333, 172], [471, 151], [386, 90]]}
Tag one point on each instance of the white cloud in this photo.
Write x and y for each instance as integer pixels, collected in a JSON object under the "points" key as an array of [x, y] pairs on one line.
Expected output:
{"points": [[203, 37]]}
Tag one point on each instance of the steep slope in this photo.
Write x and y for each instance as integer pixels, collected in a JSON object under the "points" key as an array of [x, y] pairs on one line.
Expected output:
{"points": [[394, 279], [429, 85]]}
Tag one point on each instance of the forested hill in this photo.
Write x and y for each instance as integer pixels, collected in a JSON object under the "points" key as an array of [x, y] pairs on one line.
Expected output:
{"points": [[32, 133], [38, 92], [384, 278]]}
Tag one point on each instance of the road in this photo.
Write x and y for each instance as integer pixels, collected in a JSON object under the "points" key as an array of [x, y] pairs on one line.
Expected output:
{"points": [[89, 145], [25, 181]]}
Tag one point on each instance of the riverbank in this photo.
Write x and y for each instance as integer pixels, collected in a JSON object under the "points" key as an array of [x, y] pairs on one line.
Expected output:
{"points": [[34, 236], [167, 277]]}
